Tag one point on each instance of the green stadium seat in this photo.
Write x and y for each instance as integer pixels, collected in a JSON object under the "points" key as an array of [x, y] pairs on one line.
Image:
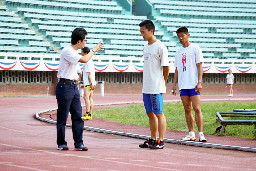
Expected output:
{"points": [[218, 45], [9, 42], [64, 6], [119, 52], [23, 49], [3, 8], [16, 31], [91, 2], [205, 40], [64, 18], [19, 37], [230, 30], [245, 50], [193, 3], [128, 42], [121, 47], [80, 14], [39, 43], [223, 29], [245, 40], [13, 25]]}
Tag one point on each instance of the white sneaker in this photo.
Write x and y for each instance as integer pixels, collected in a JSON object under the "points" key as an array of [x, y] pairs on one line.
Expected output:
{"points": [[189, 137], [202, 138]]}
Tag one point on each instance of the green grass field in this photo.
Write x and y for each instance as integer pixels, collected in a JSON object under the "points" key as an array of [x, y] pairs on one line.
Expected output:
{"points": [[174, 113]]}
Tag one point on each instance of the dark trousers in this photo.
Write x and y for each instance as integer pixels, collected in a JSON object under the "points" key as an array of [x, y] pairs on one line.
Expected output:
{"points": [[68, 99]]}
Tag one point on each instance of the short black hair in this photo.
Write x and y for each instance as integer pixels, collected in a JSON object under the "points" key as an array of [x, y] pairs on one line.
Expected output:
{"points": [[148, 24], [182, 29], [86, 50], [78, 34]]}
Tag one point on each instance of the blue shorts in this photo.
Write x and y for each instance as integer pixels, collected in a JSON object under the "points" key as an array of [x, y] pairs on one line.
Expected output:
{"points": [[188, 92], [153, 103]]}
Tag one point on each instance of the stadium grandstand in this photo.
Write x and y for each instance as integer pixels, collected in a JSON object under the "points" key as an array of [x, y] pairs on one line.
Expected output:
{"points": [[33, 32]]}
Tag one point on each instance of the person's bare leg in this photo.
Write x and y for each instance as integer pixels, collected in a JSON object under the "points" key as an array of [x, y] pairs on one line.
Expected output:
{"points": [[87, 99], [196, 100], [153, 124], [188, 112], [161, 125], [91, 101]]}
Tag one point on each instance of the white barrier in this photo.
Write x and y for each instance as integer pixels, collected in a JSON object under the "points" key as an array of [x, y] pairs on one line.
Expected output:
{"points": [[37, 62]]}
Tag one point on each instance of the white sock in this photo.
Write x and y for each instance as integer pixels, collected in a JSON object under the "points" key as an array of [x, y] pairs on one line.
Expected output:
{"points": [[192, 134], [201, 133]]}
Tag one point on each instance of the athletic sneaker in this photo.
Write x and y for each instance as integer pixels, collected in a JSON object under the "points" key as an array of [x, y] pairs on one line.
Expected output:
{"points": [[62, 147], [230, 95], [146, 143], [81, 148], [87, 116], [189, 137], [157, 144], [202, 138]]}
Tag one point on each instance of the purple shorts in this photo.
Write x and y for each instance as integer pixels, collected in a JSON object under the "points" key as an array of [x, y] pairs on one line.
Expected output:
{"points": [[188, 92]]}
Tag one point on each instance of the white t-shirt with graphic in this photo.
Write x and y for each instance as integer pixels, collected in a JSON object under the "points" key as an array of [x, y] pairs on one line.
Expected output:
{"points": [[155, 57], [89, 67], [69, 58], [186, 60], [230, 78]]}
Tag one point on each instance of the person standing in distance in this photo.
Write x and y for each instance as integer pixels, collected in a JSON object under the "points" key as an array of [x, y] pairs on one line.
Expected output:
{"points": [[189, 74], [155, 75], [89, 85], [230, 81], [67, 94]]}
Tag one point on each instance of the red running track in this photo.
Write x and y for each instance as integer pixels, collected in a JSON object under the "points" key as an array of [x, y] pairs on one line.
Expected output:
{"points": [[28, 144]]}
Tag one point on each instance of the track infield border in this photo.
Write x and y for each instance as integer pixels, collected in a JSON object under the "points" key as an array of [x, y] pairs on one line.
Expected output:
{"points": [[138, 136]]}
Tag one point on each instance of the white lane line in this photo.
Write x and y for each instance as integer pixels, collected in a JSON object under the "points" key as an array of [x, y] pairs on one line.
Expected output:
{"points": [[139, 160], [59, 166], [88, 157], [210, 166], [19, 166], [112, 158], [10, 153], [88, 168], [194, 155], [14, 130], [197, 165], [35, 134]]}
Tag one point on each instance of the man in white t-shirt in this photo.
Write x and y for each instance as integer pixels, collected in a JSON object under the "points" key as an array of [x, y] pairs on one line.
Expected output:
{"points": [[189, 74], [89, 85], [230, 82], [67, 94], [79, 72], [155, 75]]}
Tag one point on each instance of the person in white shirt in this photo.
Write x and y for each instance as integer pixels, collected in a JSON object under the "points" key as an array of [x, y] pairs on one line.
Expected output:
{"points": [[89, 85], [230, 82], [79, 72], [189, 74], [67, 94], [155, 75]]}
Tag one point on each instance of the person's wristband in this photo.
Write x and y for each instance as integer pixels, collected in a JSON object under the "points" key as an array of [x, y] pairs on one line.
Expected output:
{"points": [[93, 50]]}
